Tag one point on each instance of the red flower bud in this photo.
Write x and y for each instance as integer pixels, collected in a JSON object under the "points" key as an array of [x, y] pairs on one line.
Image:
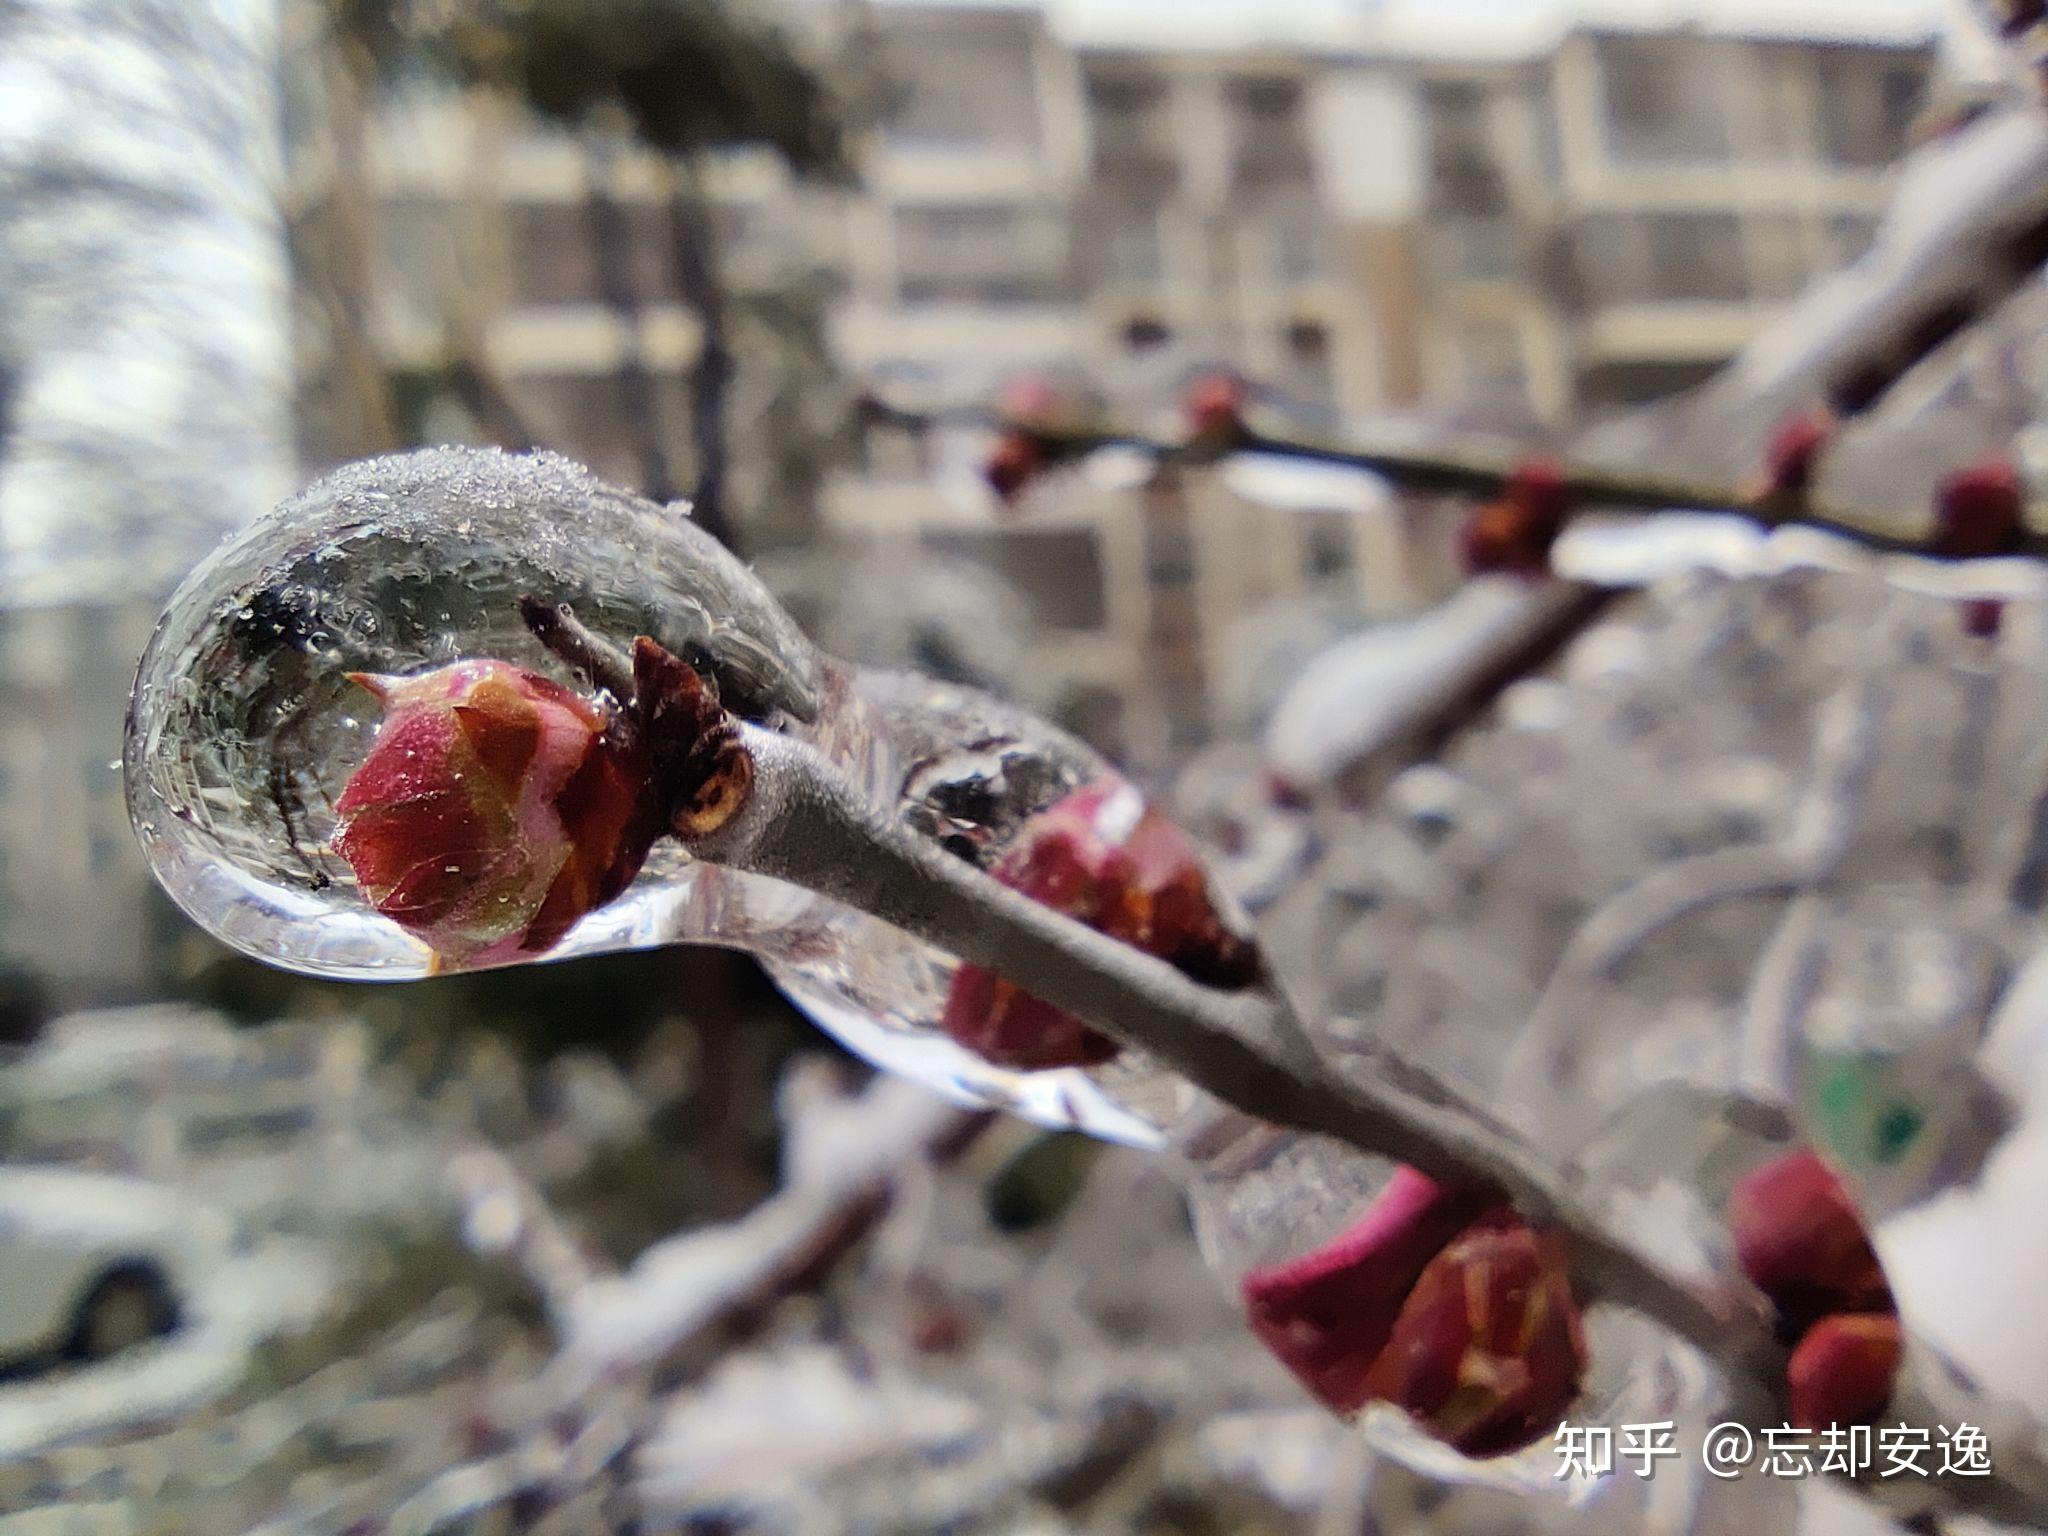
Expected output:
{"points": [[1013, 464], [1214, 409], [1514, 533], [1794, 455], [1983, 617], [1843, 1370], [1801, 1242], [1488, 1351], [1284, 792], [1106, 858], [1980, 511], [495, 809], [1328, 1314]]}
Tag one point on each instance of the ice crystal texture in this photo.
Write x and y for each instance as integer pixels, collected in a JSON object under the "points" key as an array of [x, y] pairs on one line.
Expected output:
{"points": [[244, 729]]}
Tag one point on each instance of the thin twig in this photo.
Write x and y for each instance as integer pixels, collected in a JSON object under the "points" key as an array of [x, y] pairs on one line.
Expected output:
{"points": [[556, 626], [1480, 471]]}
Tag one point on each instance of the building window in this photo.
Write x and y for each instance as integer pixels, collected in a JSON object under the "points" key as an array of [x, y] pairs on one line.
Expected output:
{"points": [[1697, 257], [1465, 175], [1169, 551], [588, 417], [1490, 356], [1294, 237], [1665, 102], [1058, 571], [996, 253], [1867, 106], [1476, 249], [1272, 139], [1187, 715], [1144, 333], [1135, 254], [961, 94], [1327, 547], [1307, 373], [553, 251], [1176, 621], [423, 256], [1780, 259], [1130, 116], [1663, 258], [1779, 129]]}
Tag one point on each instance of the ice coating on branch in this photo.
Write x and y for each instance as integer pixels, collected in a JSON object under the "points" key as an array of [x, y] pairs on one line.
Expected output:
{"points": [[1103, 856], [1327, 1314], [245, 725], [1435, 1318], [257, 774]]}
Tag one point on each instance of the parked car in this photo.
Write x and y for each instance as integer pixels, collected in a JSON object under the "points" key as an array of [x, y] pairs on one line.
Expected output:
{"points": [[92, 1264]]}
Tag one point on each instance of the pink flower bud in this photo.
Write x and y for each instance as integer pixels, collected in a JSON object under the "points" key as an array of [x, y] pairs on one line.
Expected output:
{"points": [[1488, 1351], [1794, 454], [1016, 460], [1801, 1242], [1032, 400], [1980, 511], [495, 809], [1983, 617], [1843, 1370], [1328, 1314], [1105, 858], [1214, 408], [1514, 533]]}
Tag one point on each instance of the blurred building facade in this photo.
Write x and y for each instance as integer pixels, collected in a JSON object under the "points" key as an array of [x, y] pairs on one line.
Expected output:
{"points": [[1532, 241]]}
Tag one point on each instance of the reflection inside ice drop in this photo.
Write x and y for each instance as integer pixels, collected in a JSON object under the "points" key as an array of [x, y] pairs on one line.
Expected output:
{"points": [[245, 729]]}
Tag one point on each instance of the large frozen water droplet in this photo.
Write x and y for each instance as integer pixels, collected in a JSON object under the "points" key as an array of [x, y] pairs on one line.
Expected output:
{"points": [[244, 729]]}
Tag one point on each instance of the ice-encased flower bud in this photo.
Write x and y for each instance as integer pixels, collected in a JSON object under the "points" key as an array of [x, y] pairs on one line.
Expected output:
{"points": [[1013, 464], [1328, 1314], [1214, 408], [1488, 1351], [1802, 1242], [1793, 455], [1104, 857], [1513, 534], [1843, 1370], [495, 809], [1980, 511]]}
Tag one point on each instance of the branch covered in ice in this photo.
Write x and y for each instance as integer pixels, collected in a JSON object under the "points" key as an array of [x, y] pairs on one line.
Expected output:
{"points": [[805, 825], [1962, 236]]}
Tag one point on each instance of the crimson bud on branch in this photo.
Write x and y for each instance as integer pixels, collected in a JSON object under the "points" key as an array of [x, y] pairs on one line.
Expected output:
{"points": [[1514, 533], [1102, 856]]}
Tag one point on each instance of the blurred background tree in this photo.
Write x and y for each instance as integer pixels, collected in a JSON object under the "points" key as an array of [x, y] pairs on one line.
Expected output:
{"points": [[682, 78]]}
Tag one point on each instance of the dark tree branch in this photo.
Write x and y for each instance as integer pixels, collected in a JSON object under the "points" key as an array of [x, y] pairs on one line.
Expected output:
{"points": [[612, 240], [694, 237]]}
